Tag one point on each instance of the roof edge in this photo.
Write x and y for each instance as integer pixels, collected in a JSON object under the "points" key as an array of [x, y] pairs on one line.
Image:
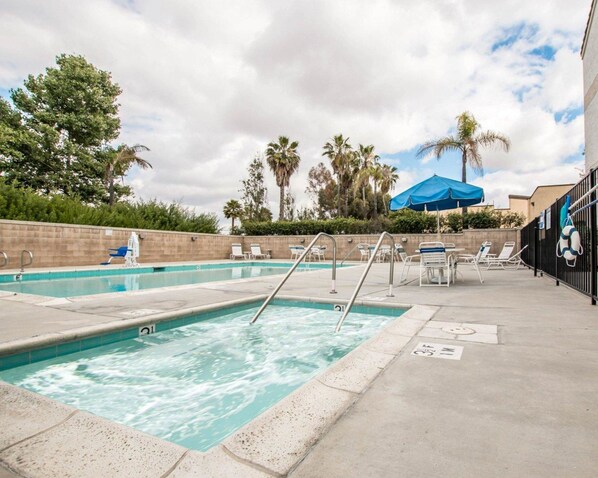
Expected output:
{"points": [[587, 30]]}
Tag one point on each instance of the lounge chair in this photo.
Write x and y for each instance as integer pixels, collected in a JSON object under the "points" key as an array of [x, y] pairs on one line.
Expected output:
{"points": [[120, 252], [435, 264], [296, 251], [256, 252], [405, 259], [383, 253], [513, 261], [505, 253], [474, 260], [237, 252]]}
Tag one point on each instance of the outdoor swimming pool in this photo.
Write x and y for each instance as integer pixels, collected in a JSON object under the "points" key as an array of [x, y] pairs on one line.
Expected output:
{"points": [[198, 379], [102, 281]]}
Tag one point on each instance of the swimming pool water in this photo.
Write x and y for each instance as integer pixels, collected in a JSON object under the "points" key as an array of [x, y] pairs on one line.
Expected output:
{"points": [[119, 280], [197, 384]]}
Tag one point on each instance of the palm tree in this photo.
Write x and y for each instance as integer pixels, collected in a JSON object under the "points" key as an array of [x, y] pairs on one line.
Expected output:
{"points": [[119, 163], [233, 209], [342, 158], [283, 159], [377, 177], [468, 141], [389, 179], [367, 159]]}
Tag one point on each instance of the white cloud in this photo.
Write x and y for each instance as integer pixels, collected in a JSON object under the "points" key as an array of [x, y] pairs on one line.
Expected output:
{"points": [[208, 83]]}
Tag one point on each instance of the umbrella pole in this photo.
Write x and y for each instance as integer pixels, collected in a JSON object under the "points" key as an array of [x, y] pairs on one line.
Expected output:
{"points": [[438, 226]]}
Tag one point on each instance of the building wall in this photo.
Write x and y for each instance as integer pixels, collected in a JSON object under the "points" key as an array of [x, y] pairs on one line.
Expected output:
{"points": [[61, 245], [520, 205], [590, 89], [544, 196]]}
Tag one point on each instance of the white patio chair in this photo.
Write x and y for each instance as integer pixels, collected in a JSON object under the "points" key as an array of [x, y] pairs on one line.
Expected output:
{"points": [[407, 261], [256, 252], [435, 264], [514, 261], [317, 253], [474, 260], [296, 251], [494, 260], [237, 252], [383, 253], [364, 252]]}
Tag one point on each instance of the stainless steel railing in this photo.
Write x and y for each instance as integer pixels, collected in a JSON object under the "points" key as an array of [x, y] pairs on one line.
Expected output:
{"points": [[4, 259], [365, 273], [295, 265]]}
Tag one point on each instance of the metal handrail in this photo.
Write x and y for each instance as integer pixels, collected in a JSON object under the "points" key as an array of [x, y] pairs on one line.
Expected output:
{"points": [[295, 265], [4, 257], [365, 273], [23, 264], [350, 252]]}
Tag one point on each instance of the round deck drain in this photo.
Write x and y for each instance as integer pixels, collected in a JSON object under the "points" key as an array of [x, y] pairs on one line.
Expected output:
{"points": [[457, 330]]}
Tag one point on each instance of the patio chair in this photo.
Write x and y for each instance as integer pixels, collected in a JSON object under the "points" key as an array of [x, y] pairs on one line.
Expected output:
{"points": [[505, 253], [515, 260], [296, 251], [405, 259], [435, 264], [383, 253], [364, 252], [479, 257], [256, 252], [317, 253], [120, 252], [237, 252]]}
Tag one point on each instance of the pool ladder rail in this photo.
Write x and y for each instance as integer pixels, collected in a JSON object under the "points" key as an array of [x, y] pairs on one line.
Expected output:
{"points": [[365, 273], [295, 265], [4, 259], [24, 255]]}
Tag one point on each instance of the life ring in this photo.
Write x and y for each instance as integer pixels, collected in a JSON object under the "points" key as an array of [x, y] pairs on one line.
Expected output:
{"points": [[570, 243]]}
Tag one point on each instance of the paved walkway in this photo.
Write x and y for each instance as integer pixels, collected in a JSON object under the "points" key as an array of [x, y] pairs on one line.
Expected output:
{"points": [[521, 401]]}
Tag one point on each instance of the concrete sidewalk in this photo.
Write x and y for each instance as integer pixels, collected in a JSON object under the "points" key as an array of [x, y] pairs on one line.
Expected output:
{"points": [[521, 401]]}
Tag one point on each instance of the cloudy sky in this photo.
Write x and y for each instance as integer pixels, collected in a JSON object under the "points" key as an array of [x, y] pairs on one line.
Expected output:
{"points": [[207, 84]]}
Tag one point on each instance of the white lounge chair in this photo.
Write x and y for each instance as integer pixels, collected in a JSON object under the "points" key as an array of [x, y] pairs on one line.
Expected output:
{"points": [[514, 261], [383, 253], [256, 252], [474, 260], [435, 264], [237, 252], [494, 260]]}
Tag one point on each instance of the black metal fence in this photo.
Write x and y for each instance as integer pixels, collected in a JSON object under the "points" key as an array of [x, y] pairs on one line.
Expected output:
{"points": [[541, 253]]}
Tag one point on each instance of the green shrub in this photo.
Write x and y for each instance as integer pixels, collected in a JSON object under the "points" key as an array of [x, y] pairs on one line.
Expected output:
{"points": [[407, 221], [26, 205]]}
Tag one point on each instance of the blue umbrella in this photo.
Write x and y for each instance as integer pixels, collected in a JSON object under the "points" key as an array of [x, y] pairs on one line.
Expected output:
{"points": [[437, 194]]}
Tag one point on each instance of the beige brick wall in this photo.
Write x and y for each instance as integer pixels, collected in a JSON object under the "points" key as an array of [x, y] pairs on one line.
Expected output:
{"points": [[55, 245]]}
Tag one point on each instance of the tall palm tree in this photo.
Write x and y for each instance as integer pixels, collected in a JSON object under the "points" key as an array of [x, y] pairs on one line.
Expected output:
{"points": [[367, 159], [342, 158], [389, 179], [467, 141], [233, 209], [119, 163], [283, 159], [377, 176]]}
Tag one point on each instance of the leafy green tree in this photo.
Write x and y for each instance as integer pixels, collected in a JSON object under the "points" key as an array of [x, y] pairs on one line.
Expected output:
{"points": [[233, 210], [343, 160], [321, 187], [283, 159], [366, 158], [66, 117], [255, 193], [119, 161], [388, 179], [468, 141]]}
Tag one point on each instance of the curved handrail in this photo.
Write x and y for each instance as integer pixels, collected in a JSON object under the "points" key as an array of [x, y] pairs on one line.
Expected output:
{"points": [[23, 264], [4, 258], [295, 265], [365, 273]]}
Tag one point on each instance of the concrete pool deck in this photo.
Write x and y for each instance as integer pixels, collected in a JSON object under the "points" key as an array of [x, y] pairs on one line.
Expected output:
{"points": [[521, 401]]}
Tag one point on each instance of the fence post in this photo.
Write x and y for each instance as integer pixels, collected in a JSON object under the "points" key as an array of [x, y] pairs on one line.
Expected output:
{"points": [[593, 285], [536, 249]]}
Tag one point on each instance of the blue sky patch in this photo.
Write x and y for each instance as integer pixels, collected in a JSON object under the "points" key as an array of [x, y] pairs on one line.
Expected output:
{"points": [[567, 115], [546, 52]]}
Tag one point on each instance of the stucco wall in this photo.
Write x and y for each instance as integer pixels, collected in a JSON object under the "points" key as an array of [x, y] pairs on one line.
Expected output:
{"points": [[590, 90], [56, 245]]}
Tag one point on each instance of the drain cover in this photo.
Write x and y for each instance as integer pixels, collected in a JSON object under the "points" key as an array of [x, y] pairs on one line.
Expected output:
{"points": [[458, 330]]}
